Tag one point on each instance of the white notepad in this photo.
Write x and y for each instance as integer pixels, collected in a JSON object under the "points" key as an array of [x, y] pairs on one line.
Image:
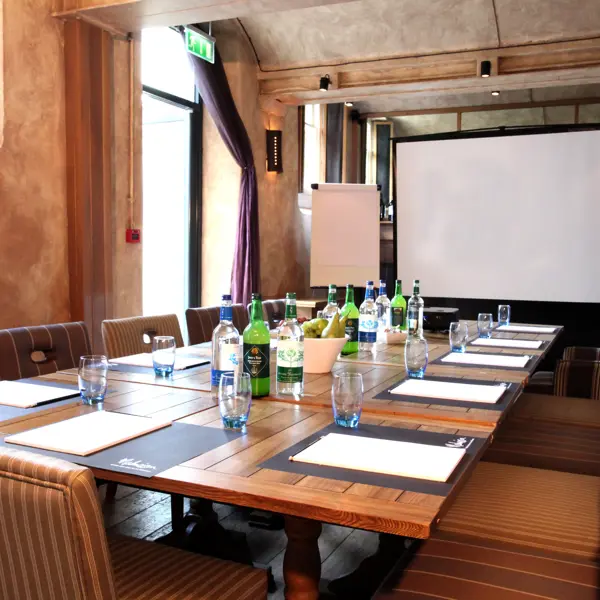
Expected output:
{"points": [[28, 395], [145, 360], [87, 434], [404, 459], [523, 344], [489, 360], [466, 392], [526, 329]]}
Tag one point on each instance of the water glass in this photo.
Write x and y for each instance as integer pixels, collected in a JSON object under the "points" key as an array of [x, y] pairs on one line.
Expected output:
{"points": [[235, 399], [416, 355], [92, 378], [347, 399], [163, 354], [485, 323], [459, 334], [504, 314]]}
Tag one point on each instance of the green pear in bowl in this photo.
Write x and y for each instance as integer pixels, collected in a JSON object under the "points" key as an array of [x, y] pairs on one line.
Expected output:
{"points": [[332, 330]]}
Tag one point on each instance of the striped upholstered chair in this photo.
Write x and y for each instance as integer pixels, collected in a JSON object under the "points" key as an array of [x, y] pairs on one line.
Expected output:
{"points": [[201, 322], [32, 351], [577, 379], [124, 337], [54, 545], [581, 353], [513, 533], [273, 311]]}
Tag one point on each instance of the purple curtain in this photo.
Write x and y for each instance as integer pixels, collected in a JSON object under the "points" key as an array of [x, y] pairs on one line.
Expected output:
{"points": [[214, 90]]}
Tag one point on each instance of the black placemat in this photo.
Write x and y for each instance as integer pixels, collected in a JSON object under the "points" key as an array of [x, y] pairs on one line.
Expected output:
{"points": [[530, 366], [503, 403], [282, 462], [150, 370], [152, 453], [9, 413]]}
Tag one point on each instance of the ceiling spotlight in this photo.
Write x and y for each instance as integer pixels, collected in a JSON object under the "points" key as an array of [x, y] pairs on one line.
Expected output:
{"points": [[324, 83], [495, 93], [349, 104], [486, 68]]}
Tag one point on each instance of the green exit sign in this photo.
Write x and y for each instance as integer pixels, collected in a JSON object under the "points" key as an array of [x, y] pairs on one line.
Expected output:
{"points": [[201, 45]]}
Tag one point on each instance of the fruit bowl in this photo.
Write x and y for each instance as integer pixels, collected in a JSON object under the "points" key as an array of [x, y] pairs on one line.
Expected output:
{"points": [[320, 354]]}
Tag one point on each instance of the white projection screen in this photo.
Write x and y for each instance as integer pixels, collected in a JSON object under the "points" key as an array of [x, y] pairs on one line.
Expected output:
{"points": [[513, 217], [345, 234]]}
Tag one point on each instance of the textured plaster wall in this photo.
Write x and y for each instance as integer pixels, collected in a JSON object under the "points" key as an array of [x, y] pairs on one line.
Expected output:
{"points": [[283, 243], [34, 283]]}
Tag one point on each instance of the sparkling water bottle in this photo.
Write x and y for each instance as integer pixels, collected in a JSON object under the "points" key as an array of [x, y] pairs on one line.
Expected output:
{"points": [[226, 349], [368, 320], [383, 306]]}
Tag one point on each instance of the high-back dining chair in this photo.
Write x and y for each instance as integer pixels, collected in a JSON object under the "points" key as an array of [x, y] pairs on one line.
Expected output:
{"points": [[581, 353], [201, 322], [32, 351], [53, 545], [124, 337], [273, 311], [577, 379]]}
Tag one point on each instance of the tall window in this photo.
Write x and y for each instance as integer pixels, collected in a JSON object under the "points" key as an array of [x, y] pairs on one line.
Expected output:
{"points": [[312, 145], [172, 132]]}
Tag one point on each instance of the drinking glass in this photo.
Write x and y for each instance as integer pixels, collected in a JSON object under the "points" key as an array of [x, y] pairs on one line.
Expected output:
{"points": [[163, 354], [416, 354], [504, 314], [92, 378], [347, 399], [485, 323], [235, 399], [459, 333]]}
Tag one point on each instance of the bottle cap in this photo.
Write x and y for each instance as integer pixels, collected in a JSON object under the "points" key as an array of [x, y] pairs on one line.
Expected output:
{"points": [[226, 297], [369, 283], [256, 296], [291, 295]]}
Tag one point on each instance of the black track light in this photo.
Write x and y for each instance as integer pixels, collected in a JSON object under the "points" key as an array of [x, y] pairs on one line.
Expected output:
{"points": [[486, 68], [324, 83]]}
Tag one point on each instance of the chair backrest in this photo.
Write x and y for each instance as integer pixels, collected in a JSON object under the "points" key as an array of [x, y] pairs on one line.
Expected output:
{"points": [[581, 353], [273, 311], [32, 351], [124, 337], [577, 378], [201, 322], [53, 544]]}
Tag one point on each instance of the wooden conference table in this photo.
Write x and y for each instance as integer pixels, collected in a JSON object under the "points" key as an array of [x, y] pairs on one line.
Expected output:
{"points": [[232, 473]]}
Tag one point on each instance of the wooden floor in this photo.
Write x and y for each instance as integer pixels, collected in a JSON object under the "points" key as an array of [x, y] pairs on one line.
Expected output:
{"points": [[147, 515]]}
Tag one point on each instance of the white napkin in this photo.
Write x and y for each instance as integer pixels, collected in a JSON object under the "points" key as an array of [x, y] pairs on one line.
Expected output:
{"points": [[87, 434], [490, 360], [524, 344], [468, 392], [526, 329], [404, 459], [145, 360], [27, 395]]}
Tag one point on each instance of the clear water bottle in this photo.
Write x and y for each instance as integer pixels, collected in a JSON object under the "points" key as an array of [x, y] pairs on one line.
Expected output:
{"points": [[383, 306], [368, 320], [414, 312], [226, 349], [290, 352], [332, 306]]}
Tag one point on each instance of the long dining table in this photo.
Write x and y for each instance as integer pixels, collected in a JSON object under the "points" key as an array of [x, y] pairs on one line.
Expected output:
{"points": [[235, 472]]}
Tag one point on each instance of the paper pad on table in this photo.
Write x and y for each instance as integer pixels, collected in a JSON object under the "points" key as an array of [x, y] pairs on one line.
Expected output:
{"points": [[523, 344], [490, 360], [87, 434], [526, 329], [403, 459], [145, 360], [28, 395], [468, 392]]}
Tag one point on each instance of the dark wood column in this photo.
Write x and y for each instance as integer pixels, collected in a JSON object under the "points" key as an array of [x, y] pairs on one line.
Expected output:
{"points": [[89, 124]]}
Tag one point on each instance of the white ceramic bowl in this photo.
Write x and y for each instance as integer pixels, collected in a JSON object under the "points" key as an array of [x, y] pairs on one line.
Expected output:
{"points": [[320, 354]]}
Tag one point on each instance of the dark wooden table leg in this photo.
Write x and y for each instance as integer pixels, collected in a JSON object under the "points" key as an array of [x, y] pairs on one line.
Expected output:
{"points": [[302, 562]]}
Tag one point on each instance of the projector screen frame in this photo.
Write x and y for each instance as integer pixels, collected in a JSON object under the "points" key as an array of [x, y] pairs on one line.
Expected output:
{"points": [[502, 131]]}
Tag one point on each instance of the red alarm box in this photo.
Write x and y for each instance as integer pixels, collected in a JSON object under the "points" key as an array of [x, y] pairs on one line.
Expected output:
{"points": [[133, 236]]}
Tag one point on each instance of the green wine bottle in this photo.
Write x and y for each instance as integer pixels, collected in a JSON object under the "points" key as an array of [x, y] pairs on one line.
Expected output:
{"points": [[351, 314], [398, 308], [257, 350]]}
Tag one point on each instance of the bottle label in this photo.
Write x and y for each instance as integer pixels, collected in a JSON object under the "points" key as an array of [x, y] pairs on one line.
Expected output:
{"points": [[226, 313], [352, 330], [367, 329], [290, 361], [397, 316], [228, 360], [257, 360]]}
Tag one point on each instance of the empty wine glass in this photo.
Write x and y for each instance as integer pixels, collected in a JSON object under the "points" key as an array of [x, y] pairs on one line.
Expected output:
{"points": [[485, 323], [503, 314], [459, 334], [416, 355], [235, 399], [163, 354], [92, 374], [347, 399]]}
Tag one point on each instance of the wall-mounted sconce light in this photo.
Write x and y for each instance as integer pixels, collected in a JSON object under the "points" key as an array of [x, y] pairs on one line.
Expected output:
{"points": [[324, 83], [486, 68], [274, 151]]}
